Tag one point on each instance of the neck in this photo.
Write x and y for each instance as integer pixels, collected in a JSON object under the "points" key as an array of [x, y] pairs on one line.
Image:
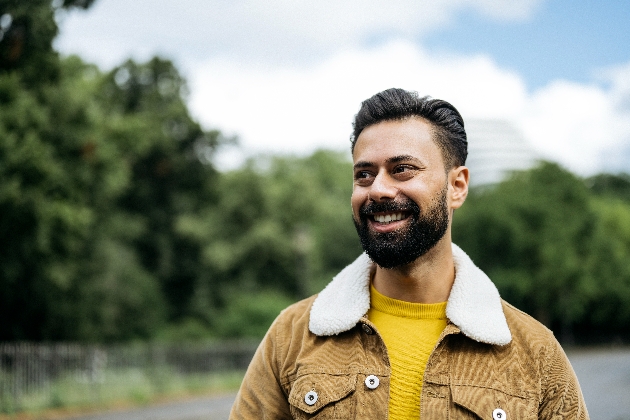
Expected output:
{"points": [[426, 280]]}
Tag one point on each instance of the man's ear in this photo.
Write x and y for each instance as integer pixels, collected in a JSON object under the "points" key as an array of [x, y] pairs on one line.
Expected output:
{"points": [[458, 186]]}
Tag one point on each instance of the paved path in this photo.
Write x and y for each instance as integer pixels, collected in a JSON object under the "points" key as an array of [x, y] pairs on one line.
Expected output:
{"points": [[604, 376], [210, 408], [605, 380]]}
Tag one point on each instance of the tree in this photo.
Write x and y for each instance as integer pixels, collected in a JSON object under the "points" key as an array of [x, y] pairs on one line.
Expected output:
{"points": [[608, 313], [171, 171], [95, 172], [27, 30], [281, 225], [610, 185], [550, 248]]}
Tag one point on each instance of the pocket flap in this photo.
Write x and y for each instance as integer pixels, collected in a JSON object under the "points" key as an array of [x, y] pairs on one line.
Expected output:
{"points": [[483, 401], [328, 388]]}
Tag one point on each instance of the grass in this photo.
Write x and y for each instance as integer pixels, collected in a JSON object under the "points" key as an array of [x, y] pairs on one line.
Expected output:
{"points": [[115, 389]]}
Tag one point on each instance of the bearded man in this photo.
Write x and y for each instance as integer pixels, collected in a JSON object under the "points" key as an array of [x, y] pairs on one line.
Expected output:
{"points": [[412, 328]]}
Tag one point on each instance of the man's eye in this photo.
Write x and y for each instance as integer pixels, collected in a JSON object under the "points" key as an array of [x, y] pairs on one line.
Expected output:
{"points": [[363, 178], [402, 168]]}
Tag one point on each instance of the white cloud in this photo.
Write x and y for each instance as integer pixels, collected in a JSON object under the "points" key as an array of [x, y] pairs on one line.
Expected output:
{"points": [[507, 10], [288, 75], [572, 123], [282, 108], [585, 126], [617, 158], [295, 109], [619, 79], [296, 31]]}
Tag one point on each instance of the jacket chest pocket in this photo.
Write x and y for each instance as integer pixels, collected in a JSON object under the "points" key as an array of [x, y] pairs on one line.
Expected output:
{"points": [[474, 402], [323, 396]]}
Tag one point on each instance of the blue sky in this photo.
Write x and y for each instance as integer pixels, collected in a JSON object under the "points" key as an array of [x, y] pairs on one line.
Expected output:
{"points": [[569, 40], [287, 76]]}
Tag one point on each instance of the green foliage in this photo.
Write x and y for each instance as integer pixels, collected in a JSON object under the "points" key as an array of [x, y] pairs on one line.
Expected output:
{"points": [[91, 190], [612, 186], [26, 43], [250, 315], [116, 226], [609, 310], [44, 199], [27, 30], [115, 222], [551, 248], [280, 224], [171, 174]]}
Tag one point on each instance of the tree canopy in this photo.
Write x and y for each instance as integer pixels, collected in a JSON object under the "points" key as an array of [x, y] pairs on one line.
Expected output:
{"points": [[555, 248], [115, 224]]}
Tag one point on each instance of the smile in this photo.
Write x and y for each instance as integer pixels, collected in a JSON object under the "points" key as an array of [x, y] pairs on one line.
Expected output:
{"points": [[386, 218]]}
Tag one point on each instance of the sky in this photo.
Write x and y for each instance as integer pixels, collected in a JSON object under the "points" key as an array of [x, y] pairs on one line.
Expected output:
{"points": [[287, 76]]}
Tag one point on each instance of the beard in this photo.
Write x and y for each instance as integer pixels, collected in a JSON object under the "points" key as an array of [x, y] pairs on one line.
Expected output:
{"points": [[403, 246]]}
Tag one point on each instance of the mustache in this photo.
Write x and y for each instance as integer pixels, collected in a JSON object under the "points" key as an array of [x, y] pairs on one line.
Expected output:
{"points": [[389, 206]]}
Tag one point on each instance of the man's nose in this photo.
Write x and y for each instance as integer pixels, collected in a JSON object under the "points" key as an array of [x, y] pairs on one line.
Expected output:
{"points": [[382, 189]]}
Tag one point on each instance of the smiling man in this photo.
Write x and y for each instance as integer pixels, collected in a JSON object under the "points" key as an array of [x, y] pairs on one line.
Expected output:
{"points": [[412, 328]]}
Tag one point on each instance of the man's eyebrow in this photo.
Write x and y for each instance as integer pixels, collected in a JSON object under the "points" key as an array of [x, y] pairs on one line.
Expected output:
{"points": [[401, 158], [363, 164], [394, 159]]}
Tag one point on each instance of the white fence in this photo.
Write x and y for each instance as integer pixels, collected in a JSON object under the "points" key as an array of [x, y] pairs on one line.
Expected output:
{"points": [[27, 369]]}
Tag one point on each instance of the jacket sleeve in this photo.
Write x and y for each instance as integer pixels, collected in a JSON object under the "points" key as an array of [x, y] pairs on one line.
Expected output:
{"points": [[561, 394], [261, 395]]}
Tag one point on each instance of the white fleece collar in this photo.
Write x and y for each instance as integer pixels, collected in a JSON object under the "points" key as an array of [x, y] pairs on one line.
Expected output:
{"points": [[474, 304]]}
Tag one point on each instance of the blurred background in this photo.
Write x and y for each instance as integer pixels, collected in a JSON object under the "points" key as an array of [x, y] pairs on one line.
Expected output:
{"points": [[179, 172]]}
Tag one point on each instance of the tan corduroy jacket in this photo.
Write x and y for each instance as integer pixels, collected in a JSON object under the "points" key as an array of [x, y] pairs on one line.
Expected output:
{"points": [[323, 359]]}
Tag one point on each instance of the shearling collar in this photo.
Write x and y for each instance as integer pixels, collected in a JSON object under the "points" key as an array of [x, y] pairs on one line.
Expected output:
{"points": [[474, 304]]}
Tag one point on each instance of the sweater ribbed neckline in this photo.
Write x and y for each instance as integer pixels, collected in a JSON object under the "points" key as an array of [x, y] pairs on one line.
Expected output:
{"points": [[400, 308]]}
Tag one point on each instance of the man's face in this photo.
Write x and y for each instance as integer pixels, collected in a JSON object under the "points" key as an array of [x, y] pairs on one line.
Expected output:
{"points": [[400, 199]]}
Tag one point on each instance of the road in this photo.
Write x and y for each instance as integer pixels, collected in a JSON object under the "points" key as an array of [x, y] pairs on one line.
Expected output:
{"points": [[210, 408], [604, 376]]}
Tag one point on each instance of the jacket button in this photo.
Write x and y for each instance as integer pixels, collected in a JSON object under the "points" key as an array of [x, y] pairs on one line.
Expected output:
{"points": [[372, 382], [311, 398], [367, 329], [499, 414]]}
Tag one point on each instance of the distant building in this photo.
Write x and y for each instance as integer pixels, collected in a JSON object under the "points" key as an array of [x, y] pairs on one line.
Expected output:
{"points": [[496, 148]]}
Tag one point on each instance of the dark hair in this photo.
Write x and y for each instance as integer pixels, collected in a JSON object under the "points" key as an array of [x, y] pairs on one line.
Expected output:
{"points": [[400, 104]]}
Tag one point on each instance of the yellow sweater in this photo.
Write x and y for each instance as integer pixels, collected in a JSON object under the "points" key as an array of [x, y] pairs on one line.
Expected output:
{"points": [[410, 332]]}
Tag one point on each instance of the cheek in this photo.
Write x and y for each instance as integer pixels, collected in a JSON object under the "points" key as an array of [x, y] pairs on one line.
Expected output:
{"points": [[356, 201]]}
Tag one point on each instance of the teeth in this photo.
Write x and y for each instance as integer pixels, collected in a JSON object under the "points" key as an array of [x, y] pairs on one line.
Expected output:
{"points": [[388, 218]]}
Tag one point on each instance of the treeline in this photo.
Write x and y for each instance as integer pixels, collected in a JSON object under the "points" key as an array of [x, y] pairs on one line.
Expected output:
{"points": [[557, 247], [115, 225]]}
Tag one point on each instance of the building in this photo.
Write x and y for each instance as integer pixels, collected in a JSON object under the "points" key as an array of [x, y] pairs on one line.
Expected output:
{"points": [[495, 149]]}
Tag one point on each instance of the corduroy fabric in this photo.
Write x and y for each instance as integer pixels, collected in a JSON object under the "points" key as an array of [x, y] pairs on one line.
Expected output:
{"points": [[490, 355], [530, 378]]}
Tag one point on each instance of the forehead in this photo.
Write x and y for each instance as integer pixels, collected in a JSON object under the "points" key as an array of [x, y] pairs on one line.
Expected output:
{"points": [[387, 139]]}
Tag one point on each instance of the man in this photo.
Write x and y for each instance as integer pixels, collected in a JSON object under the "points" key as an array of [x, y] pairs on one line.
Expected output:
{"points": [[412, 328]]}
